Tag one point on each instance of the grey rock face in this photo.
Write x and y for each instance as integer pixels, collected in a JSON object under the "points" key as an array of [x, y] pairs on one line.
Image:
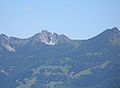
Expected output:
{"points": [[49, 38]]}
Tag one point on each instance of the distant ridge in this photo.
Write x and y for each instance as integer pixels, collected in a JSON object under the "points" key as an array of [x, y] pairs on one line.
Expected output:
{"points": [[45, 37]]}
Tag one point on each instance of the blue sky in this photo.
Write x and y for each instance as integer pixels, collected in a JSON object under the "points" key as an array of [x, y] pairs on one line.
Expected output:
{"points": [[78, 19]]}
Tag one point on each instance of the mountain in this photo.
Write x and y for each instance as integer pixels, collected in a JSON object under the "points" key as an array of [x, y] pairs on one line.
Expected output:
{"points": [[110, 35], [45, 37], [49, 38], [49, 60]]}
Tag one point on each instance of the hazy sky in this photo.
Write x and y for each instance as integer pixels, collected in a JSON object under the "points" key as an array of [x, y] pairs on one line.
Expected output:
{"points": [[78, 19]]}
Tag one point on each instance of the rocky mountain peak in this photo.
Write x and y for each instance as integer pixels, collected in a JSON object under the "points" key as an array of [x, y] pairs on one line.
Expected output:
{"points": [[112, 31], [45, 32], [115, 29], [109, 33], [5, 42], [114, 37], [54, 37], [45, 36], [109, 37], [50, 38], [4, 39]]}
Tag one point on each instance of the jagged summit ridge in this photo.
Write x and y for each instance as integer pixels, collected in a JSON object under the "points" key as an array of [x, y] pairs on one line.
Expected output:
{"points": [[50, 38], [5, 42], [45, 37]]}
